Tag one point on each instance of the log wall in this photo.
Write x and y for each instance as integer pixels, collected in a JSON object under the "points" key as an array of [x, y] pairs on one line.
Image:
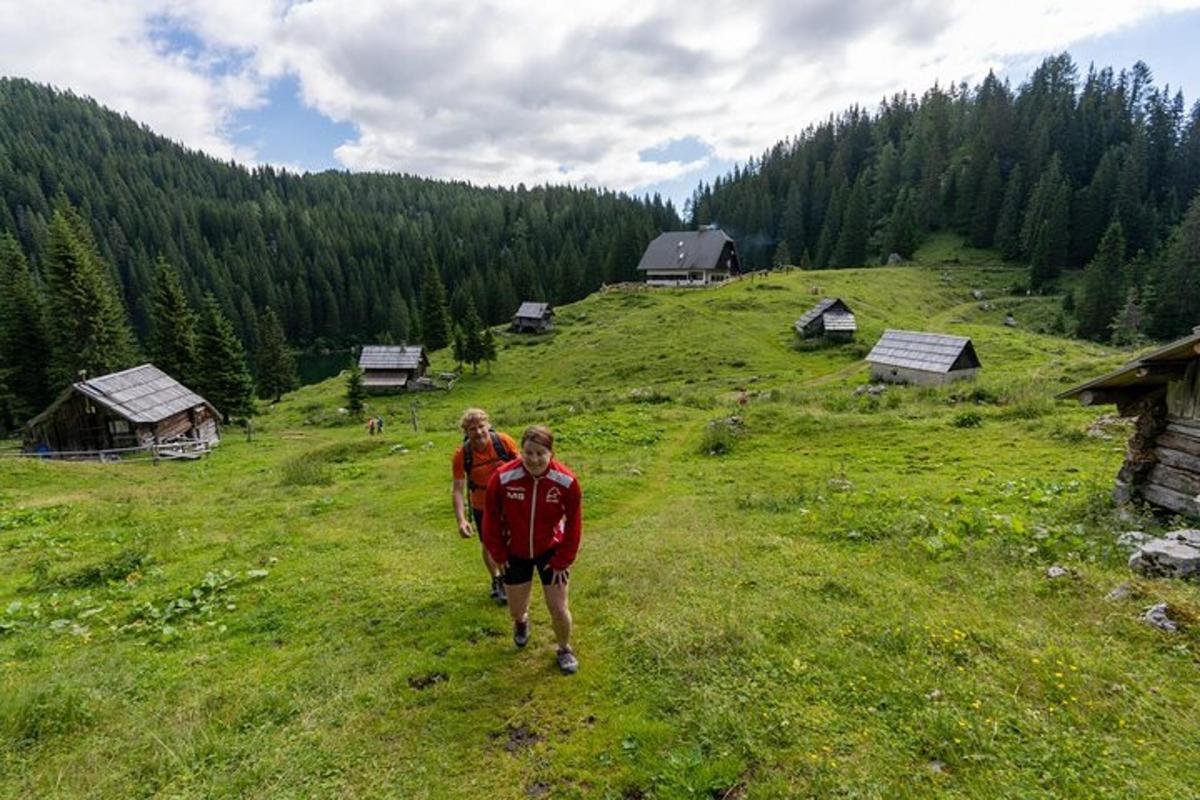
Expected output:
{"points": [[1173, 480]]}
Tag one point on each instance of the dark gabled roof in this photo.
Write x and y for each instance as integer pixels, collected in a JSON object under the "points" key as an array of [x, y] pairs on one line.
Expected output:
{"points": [[685, 250], [387, 356], [530, 310], [142, 394], [820, 308], [1140, 371], [930, 352]]}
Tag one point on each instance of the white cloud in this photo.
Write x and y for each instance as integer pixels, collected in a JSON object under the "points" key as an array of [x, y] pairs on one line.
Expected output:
{"points": [[536, 91]]}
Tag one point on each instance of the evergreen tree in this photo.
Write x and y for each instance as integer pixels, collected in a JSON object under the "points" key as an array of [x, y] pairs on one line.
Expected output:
{"points": [[460, 347], [902, 236], [473, 350], [398, 318], [489, 347], [851, 249], [24, 337], [435, 313], [1101, 292], [1008, 225], [1129, 321], [1177, 280], [276, 364], [1045, 233], [356, 395], [90, 332], [783, 255], [172, 326], [223, 377]]}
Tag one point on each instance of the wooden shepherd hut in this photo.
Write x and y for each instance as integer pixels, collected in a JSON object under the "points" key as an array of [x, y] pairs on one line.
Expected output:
{"points": [[533, 318], [925, 359], [830, 318], [389, 368], [1162, 391], [134, 408], [690, 258]]}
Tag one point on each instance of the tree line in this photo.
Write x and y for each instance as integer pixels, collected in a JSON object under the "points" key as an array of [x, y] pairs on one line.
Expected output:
{"points": [[1058, 174]]}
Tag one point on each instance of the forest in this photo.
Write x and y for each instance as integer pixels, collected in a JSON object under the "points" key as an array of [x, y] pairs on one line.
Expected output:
{"points": [[1059, 174]]}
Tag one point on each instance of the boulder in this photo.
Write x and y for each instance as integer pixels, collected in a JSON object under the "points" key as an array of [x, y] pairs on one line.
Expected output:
{"points": [[1057, 572], [1176, 555], [1156, 617], [1010, 321], [1131, 541]]}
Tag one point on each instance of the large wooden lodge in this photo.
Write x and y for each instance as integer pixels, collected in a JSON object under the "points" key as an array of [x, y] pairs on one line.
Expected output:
{"points": [[135, 408], [690, 258], [1162, 390]]}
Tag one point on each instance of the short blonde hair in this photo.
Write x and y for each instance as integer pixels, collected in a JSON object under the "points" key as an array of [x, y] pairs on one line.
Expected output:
{"points": [[470, 415]]}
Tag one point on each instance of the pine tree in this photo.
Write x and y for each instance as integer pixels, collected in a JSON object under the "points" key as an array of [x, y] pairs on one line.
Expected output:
{"points": [[435, 313], [783, 255], [1045, 234], [24, 335], [1101, 291], [460, 347], [1128, 322], [276, 364], [851, 249], [90, 332], [489, 347], [1177, 280], [398, 319], [1008, 226], [223, 378], [902, 235], [172, 326], [356, 395], [473, 338]]}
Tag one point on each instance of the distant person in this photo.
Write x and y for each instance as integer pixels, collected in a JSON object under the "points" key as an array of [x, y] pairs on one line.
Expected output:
{"points": [[483, 451], [379, 423], [534, 519], [370, 426]]}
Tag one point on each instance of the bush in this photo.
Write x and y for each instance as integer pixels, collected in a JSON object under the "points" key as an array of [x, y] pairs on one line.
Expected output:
{"points": [[968, 419], [117, 568], [719, 437]]}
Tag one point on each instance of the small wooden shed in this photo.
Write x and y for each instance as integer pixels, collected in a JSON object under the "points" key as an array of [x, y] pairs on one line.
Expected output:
{"points": [[533, 318], [830, 318], [925, 359], [388, 368], [1162, 391], [690, 258], [133, 408]]}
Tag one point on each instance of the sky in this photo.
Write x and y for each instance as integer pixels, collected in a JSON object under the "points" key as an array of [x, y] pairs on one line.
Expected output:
{"points": [[638, 96]]}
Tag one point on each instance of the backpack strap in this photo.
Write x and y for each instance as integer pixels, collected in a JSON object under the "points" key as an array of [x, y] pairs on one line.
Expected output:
{"points": [[502, 453]]}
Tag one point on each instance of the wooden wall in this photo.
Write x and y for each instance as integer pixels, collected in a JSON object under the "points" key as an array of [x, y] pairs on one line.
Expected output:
{"points": [[1174, 481]]}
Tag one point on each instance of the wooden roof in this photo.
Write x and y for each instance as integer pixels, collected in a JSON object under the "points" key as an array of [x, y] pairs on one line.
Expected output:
{"points": [[685, 250], [143, 394], [819, 309], [1146, 372], [839, 322], [529, 310], [386, 356], [930, 352]]}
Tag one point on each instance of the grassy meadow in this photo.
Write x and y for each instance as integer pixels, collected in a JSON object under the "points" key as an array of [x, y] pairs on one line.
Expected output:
{"points": [[832, 596]]}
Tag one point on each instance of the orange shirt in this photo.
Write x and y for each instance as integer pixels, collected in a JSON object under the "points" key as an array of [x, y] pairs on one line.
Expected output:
{"points": [[483, 463]]}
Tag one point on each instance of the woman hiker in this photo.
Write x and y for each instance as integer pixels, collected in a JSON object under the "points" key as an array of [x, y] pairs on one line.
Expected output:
{"points": [[533, 519], [482, 452]]}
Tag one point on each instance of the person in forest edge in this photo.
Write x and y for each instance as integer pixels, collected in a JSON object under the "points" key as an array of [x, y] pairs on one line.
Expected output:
{"points": [[483, 451], [534, 518]]}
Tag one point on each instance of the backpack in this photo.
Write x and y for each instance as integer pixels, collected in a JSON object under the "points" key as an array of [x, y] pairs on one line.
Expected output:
{"points": [[502, 453]]}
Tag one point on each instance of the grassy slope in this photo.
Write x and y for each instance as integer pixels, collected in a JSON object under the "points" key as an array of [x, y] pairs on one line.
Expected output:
{"points": [[746, 625]]}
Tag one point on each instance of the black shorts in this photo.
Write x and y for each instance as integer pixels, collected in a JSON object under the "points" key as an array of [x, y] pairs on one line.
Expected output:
{"points": [[477, 513], [520, 570]]}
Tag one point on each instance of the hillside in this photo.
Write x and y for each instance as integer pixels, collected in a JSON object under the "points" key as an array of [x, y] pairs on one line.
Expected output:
{"points": [[849, 600]]}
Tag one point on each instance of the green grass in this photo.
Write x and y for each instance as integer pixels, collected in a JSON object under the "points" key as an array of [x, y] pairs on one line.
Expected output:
{"points": [[836, 596]]}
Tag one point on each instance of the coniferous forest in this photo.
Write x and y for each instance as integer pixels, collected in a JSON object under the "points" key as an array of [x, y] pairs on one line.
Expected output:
{"points": [[1098, 172]]}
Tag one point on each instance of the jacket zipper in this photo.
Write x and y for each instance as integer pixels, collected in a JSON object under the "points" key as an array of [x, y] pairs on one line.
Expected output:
{"points": [[532, 514]]}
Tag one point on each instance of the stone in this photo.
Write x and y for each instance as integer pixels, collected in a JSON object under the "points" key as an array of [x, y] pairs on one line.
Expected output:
{"points": [[1057, 572], [1156, 616], [1189, 536], [1130, 541], [977, 294], [1119, 593], [894, 258], [1167, 558], [1010, 321]]}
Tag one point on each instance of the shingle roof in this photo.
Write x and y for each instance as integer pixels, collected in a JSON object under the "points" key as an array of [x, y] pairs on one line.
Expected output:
{"points": [[839, 321], [141, 394], [931, 352], [821, 308], [1128, 376], [381, 356], [533, 310], [684, 250]]}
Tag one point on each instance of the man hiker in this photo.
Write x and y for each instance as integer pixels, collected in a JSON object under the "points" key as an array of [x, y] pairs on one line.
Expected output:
{"points": [[483, 451]]}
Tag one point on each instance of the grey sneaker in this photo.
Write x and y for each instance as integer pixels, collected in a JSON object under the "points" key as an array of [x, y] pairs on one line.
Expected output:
{"points": [[567, 661], [521, 633], [498, 593]]}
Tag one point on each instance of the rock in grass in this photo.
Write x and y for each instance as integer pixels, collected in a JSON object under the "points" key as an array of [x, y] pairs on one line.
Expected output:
{"points": [[1057, 572], [1119, 593], [1157, 616], [1130, 541], [1176, 555]]}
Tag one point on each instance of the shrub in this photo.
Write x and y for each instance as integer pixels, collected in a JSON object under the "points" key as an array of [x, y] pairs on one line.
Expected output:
{"points": [[968, 419], [117, 568], [719, 437]]}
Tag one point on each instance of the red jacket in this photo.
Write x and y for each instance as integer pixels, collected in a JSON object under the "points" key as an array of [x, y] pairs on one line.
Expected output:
{"points": [[526, 516]]}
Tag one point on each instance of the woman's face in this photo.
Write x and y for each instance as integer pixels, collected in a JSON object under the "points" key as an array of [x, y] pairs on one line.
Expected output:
{"points": [[536, 457]]}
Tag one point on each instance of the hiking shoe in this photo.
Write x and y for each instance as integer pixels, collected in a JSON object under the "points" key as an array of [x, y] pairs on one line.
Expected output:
{"points": [[521, 633], [567, 661], [498, 593]]}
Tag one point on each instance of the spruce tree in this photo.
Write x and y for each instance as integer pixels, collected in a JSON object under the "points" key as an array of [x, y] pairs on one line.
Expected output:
{"points": [[489, 347], [172, 326], [24, 335], [356, 395], [435, 314], [276, 364], [1129, 321], [459, 347], [90, 332], [473, 338], [1100, 291], [902, 235], [223, 377], [1008, 226], [851, 249], [1177, 280]]}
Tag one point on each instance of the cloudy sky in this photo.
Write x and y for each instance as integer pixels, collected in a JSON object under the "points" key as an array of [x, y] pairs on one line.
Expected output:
{"points": [[638, 96]]}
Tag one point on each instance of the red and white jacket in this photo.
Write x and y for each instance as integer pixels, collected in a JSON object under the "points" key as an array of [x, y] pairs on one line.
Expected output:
{"points": [[525, 516]]}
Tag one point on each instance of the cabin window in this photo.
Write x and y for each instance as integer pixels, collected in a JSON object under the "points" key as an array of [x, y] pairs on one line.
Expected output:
{"points": [[118, 426]]}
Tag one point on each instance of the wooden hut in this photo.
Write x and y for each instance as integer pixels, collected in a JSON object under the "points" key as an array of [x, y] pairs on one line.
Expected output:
{"points": [[533, 318], [388, 368], [137, 407], [925, 359], [1162, 391], [830, 318], [690, 258]]}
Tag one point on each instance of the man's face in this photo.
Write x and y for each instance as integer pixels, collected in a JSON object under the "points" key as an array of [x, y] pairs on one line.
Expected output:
{"points": [[536, 457], [477, 432]]}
